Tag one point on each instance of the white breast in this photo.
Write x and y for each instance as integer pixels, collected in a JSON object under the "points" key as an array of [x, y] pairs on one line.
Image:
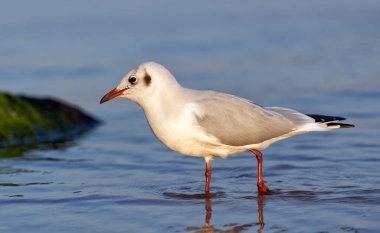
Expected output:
{"points": [[178, 131]]}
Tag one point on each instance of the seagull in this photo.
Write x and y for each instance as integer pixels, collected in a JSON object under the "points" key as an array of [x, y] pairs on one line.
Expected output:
{"points": [[212, 124]]}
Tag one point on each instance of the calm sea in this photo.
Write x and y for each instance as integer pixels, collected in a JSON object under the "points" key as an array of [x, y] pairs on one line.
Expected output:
{"points": [[313, 56]]}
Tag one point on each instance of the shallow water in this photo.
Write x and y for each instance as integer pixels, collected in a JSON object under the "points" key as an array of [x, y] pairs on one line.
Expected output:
{"points": [[314, 57]]}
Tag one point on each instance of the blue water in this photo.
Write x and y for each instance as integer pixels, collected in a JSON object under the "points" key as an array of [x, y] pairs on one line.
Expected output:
{"points": [[316, 57]]}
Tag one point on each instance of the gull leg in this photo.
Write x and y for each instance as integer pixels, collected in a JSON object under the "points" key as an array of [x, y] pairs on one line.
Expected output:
{"points": [[208, 176], [262, 188]]}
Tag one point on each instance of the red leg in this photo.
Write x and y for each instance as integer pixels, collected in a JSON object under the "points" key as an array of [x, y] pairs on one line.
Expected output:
{"points": [[208, 176], [262, 188]]}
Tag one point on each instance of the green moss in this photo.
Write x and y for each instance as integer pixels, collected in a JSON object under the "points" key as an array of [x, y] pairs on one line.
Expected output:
{"points": [[17, 118], [25, 119]]}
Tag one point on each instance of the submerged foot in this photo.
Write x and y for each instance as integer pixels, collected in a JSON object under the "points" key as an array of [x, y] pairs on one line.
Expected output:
{"points": [[262, 188]]}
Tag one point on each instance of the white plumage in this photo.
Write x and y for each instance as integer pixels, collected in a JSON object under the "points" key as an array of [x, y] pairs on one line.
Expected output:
{"points": [[208, 123]]}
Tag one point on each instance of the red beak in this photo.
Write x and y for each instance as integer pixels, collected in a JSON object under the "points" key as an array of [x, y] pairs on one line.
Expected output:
{"points": [[112, 94]]}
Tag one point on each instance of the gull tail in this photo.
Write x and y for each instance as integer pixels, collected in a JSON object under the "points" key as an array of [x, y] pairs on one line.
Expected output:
{"points": [[330, 121]]}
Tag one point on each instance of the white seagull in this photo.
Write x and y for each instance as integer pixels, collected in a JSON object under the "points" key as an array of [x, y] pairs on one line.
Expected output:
{"points": [[212, 124]]}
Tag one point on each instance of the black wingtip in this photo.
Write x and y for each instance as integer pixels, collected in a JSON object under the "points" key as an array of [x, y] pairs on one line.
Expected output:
{"points": [[324, 118], [330, 121]]}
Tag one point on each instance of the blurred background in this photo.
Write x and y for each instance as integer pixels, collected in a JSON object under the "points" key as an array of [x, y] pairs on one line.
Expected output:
{"points": [[313, 56]]}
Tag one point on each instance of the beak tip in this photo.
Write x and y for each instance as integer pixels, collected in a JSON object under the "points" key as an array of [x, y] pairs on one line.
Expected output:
{"points": [[102, 101], [112, 94]]}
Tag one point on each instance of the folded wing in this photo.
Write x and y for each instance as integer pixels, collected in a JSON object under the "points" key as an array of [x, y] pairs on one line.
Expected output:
{"points": [[238, 122]]}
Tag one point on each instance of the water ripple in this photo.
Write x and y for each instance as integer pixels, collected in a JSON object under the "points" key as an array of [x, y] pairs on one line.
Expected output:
{"points": [[183, 196], [24, 184]]}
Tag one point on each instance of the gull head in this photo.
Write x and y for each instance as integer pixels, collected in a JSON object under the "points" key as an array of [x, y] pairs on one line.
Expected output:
{"points": [[142, 83]]}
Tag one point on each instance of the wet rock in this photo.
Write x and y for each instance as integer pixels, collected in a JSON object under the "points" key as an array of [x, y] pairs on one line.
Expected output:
{"points": [[26, 120]]}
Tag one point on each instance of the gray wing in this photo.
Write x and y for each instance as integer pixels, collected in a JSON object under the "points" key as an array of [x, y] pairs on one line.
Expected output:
{"points": [[238, 122]]}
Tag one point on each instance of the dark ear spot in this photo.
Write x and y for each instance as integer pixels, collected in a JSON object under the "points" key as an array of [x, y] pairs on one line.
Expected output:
{"points": [[147, 79]]}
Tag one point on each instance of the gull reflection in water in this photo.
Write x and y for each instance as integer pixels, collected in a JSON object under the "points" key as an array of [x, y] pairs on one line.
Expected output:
{"points": [[232, 227]]}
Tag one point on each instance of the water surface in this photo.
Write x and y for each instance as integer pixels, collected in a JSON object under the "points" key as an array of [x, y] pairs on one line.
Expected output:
{"points": [[314, 57]]}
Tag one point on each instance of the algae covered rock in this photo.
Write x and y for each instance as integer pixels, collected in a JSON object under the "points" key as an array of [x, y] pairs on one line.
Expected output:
{"points": [[31, 120]]}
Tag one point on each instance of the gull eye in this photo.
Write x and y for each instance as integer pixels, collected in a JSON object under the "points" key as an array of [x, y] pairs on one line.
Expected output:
{"points": [[132, 80]]}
